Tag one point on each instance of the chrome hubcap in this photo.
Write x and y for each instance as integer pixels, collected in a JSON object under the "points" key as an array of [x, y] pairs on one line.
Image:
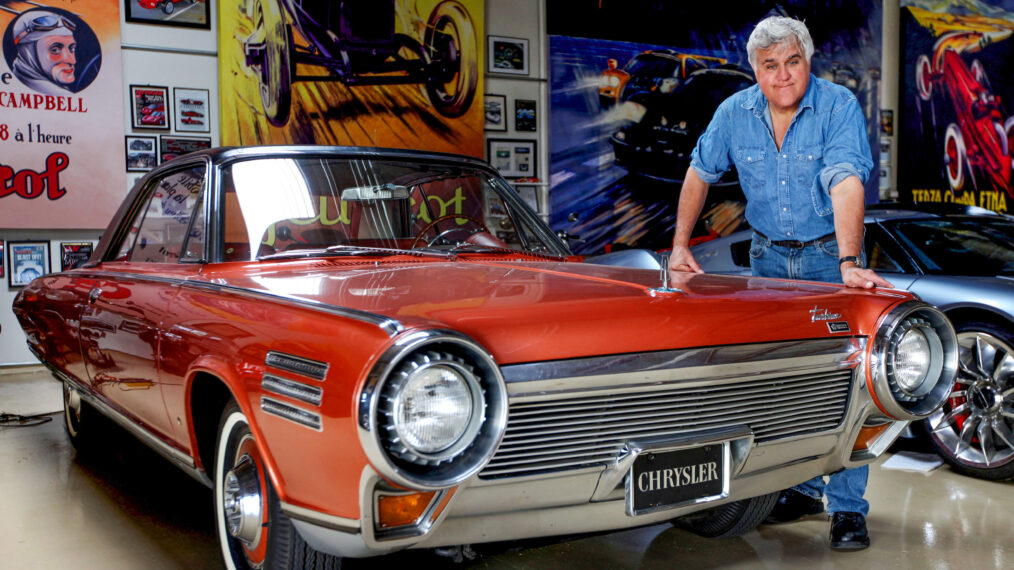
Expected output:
{"points": [[242, 501]]}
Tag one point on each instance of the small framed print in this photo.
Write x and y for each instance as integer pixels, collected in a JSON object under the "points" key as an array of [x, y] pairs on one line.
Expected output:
{"points": [[514, 158], [141, 153], [524, 115], [28, 260], [3, 264], [149, 107], [190, 110], [507, 55], [496, 112], [171, 146], [73, 254], [181, 13]]}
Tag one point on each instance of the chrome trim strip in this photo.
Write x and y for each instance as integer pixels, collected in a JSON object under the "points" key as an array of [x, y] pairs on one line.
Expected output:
{"points": [[297, 365], [292, 413], [296, 390], [318, 518]]}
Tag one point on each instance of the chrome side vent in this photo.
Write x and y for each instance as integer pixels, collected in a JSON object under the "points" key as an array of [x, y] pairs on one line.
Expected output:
{"points": [[294, 414], [295, 390], [297, 365]]}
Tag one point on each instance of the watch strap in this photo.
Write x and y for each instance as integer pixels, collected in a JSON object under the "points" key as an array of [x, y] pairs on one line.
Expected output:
{"points": [[853, 258]]}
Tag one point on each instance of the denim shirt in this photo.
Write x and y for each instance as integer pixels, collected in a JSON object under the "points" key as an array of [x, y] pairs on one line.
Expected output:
{"points": [[788, 191]]}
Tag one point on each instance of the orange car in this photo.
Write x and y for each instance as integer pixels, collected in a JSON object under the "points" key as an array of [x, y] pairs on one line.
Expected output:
{"points": [[363, 350], [654, 70]]}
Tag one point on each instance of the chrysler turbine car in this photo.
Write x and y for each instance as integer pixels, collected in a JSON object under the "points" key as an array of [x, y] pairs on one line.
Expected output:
{"points": [[363, 350], [960, 259]]}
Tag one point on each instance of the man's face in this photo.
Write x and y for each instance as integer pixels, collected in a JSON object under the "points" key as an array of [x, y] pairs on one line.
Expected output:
{"points": [[783, 74], [56, 55]]}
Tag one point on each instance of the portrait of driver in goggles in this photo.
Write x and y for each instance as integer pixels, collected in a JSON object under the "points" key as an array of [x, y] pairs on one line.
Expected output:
{"points": [[46, 52]]}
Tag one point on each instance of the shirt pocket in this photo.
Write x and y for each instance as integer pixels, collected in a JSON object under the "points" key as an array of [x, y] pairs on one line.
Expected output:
{"points": [[750, 165], [808, 164]]}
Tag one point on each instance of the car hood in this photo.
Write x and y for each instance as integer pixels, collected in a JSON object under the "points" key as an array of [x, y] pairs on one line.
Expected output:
{"points": [[528, 311]]}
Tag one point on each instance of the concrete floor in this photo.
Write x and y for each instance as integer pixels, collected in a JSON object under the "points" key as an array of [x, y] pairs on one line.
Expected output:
{"points": [[126, 508]]}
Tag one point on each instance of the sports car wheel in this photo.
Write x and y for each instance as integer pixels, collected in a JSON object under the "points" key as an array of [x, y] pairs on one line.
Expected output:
{"points": [[275, 73], [450, 40], [168, 6], [974, 430], [954, 157], [731, 519], [923, 74], [253, 532]]}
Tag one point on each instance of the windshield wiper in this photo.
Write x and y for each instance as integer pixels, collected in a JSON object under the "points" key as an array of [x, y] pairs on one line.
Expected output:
{"points": [[369, 250], [478, 248]]}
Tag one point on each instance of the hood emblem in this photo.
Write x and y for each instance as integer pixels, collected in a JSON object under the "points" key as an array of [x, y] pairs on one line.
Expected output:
{"points": [[820, 314]]}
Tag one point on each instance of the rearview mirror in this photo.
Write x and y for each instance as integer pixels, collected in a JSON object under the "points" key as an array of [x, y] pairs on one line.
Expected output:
{"points": [[382, 192]]}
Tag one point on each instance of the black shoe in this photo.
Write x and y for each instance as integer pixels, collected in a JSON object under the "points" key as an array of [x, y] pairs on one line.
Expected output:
{"points": [[793, 505], [848, 531]]}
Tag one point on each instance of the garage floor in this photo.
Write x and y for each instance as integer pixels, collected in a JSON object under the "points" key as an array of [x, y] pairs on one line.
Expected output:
{"points": [[126, 508]]}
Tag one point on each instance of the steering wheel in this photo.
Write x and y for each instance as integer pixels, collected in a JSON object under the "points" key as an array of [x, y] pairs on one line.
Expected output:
{"points": [[431, 225]]}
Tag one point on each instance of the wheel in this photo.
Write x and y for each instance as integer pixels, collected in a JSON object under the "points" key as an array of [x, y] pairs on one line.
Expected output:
{"points": [[275, 74], [168, 6], [954, 157], [79, 418], [450, 41], [923, 75], [731, 519], [253, 532], [433, 224], [974, 430]]}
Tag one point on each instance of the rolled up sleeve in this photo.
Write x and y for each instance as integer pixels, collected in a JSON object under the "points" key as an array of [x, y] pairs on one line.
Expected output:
{"points": [[711, 157], [847, 151]]}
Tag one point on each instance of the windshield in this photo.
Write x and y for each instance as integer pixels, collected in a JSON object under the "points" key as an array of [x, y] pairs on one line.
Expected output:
{"points": [[289, 206], [960, 246]]}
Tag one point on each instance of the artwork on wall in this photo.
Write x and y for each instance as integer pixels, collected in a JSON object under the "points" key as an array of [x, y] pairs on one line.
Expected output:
{"points": [[2, 263], [496, 112], [172, 146], [141, 153], [507, 55], [28, 260], [73, 254], [524, 115], [514, 158], [182, 13], [191, 110], [149, 107]]}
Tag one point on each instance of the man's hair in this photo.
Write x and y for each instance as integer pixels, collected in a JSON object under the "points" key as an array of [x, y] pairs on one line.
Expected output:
{"points": [[779, 30]]}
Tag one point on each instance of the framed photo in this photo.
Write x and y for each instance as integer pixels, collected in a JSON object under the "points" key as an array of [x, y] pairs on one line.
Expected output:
{"points": [[28, 260], [190, 110], [182, 13], [172, 146], [3, 264], [514, 158], [507, 55], [74, 253], [524, 115], [496, 112], [141, 153], [149, 107]]}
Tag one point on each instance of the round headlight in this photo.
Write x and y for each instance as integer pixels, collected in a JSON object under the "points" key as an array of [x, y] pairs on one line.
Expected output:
{"points": [[434, 408], [912, 361]]}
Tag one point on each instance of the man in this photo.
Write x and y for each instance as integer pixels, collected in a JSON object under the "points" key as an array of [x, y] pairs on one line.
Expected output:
{"points": [[46, 52], [800, 147]]}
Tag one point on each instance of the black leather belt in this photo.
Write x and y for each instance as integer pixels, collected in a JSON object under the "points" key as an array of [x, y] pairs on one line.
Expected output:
{"points": [[796, 244]]}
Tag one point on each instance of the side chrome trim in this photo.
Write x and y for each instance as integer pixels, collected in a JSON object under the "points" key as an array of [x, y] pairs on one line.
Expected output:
{"points": [[318, 518], [292, 413], [296, 390], [297, 365]]}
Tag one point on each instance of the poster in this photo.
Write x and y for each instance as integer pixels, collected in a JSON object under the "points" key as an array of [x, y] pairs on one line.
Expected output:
{"points": [[29, 259], [955, 121], [401, 74], [73, 254], [60, 116]]}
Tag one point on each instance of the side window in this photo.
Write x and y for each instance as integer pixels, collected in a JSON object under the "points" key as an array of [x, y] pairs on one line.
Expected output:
{"points": [[166, 229], [878, 257]]}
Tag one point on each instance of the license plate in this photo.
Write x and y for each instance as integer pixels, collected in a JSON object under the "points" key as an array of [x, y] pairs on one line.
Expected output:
{"points": [[669, 478]]}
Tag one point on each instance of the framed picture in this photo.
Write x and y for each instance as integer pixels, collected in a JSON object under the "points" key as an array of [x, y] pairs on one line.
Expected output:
{"points": [[507, 55], [141, 153], [190, 110], [182, 13], [2, 263], [74, 253], [149, 107], [28, 260], [172, 146], [524, 115], [514, 158], [496, 112]]}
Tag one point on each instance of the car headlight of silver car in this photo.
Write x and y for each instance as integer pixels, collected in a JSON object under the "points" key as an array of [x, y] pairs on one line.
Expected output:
{"points": [[915, 359], [433, 410]]}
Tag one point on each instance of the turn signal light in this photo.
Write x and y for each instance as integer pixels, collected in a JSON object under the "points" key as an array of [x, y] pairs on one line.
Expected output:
{"points": [[868, 435], [401, 510]]}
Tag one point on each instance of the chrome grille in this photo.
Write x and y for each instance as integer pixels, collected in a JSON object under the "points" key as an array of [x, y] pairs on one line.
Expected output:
{"points": [[587, 431]]}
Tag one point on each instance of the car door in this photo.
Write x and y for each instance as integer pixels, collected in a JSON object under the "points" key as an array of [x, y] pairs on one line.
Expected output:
{"points": [[160, 246]]}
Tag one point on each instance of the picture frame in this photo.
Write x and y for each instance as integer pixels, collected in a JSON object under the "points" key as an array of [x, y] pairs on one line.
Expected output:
{"points": [[179, 13], [171, 146], [514, 158], [28, 260], [140, 152], [191, 110], [74, 253], [495, 111], [3, 259], [149, 107], [525, 119], [507, 55]]}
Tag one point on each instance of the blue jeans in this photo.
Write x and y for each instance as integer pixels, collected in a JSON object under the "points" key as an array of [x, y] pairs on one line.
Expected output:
{"points": [[844, 489]]}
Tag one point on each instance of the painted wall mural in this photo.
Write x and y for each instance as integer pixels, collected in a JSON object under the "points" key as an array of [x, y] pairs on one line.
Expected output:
{"points": [[625, 113], [386, 73], [955, 144]]}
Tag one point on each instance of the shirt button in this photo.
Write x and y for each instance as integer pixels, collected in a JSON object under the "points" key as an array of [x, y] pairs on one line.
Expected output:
{"points": [[810, 157], [788, 233], [786, 209], [785, 156], [783, 183]]}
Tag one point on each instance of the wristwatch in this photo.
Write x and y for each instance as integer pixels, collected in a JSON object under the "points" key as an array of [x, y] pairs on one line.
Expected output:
{"points": [[853, 258]]}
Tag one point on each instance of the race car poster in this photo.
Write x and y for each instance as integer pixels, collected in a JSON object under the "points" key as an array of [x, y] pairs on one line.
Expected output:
{"points": [[61, 103], [630, 93], [383, 73], [954, 144]]}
